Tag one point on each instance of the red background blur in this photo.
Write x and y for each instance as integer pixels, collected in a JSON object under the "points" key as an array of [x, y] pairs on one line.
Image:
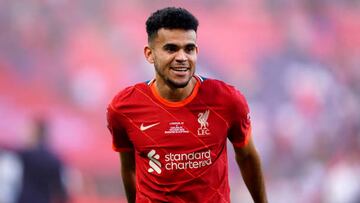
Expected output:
{"points": [[297, 62]]}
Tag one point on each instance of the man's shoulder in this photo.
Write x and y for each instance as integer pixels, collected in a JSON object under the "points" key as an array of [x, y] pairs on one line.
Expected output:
{"points": [[128, 94], [218, 90], [218, 87]]}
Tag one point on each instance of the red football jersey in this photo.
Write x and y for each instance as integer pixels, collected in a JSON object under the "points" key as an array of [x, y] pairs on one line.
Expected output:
{"points": [[180, 147]]}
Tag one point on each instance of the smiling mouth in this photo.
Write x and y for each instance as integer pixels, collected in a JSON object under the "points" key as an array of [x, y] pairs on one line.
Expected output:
{"points": [[180, 69]]}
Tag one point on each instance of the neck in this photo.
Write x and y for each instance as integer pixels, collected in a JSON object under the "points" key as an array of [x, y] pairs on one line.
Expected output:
{"points": [[174, 94]]}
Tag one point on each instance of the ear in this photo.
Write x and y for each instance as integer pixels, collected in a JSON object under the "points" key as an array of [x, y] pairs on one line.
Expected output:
{"points": [[149, 54]]}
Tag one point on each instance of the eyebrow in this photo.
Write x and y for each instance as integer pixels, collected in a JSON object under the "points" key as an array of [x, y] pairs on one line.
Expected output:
{"points": [[190, 45], [175, 45], [170, 45]]}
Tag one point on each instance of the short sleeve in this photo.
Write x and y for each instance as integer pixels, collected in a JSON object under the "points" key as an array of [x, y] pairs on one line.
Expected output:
{"points": [[116, 126], [240, 125]]}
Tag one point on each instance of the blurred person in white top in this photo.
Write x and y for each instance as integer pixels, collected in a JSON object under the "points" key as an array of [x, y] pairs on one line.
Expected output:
{"points": [[10, 176]]}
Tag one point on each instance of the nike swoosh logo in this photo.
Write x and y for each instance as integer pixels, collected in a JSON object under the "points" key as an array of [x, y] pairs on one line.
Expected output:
{"points": [[142, 127]]}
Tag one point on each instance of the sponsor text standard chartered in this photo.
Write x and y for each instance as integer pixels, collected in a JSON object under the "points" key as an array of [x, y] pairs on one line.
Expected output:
{"points": [[190, 160]]}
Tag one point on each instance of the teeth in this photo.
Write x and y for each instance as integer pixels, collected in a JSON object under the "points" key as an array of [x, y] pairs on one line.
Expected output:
{"points": [[180, 69]]}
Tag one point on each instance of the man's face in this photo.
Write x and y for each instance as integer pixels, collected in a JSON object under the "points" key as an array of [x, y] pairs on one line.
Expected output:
{"points": [[173, 53]]}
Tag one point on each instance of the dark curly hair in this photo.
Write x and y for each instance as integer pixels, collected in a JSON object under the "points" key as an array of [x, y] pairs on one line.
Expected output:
{"points": [[170, 18]]}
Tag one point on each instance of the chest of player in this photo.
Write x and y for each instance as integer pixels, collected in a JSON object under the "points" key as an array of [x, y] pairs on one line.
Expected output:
{"points": [[182, 128]]}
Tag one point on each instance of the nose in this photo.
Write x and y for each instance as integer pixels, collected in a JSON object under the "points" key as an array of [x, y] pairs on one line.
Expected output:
{"points": [[180, 56]]}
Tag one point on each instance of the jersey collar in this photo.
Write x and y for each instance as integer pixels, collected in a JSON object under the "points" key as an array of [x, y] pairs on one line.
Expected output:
{"points": [[178, 103]]}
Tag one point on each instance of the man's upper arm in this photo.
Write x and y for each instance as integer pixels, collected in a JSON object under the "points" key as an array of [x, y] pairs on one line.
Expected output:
{"points": [[127, 160], [117, 127], [246, 150], [240, 124]]}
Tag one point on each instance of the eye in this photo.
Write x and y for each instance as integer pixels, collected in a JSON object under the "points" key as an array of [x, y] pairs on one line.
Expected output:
{"points": [[170, 48], [190, 49]]}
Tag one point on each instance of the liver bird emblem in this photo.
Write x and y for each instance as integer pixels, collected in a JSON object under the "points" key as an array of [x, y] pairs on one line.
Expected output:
{"points": [[203, 117]]}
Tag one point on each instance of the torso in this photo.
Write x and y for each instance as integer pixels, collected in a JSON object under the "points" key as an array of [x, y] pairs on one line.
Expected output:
{"points": [[180, 148]]}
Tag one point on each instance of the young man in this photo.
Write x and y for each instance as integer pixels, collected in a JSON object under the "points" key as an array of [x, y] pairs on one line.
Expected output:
{"points": [[171, 132]]}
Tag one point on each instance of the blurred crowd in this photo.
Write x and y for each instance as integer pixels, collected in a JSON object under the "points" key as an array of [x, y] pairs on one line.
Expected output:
{"points": [[297, 62]]}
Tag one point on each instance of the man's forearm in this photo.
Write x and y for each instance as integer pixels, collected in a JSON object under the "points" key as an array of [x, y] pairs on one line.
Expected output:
{"points": [[128, 178], [250, 167]]}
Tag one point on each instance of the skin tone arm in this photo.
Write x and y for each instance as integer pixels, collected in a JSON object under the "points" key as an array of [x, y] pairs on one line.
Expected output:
{"points": [[127, 160], [249, 163]]}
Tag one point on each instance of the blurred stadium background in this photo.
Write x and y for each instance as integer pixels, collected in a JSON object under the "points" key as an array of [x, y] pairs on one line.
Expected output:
{"points": [[297, 62]]}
